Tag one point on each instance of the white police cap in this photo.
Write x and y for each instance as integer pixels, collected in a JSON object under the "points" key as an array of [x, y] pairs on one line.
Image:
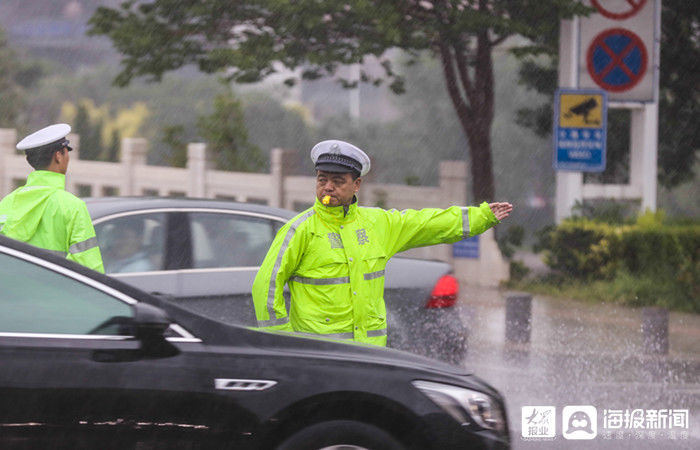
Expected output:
{"points": [[339, 156], [53, 134]]}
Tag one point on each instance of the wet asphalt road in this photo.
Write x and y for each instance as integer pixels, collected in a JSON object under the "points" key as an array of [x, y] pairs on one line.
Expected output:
{"points": [[591, 355]]}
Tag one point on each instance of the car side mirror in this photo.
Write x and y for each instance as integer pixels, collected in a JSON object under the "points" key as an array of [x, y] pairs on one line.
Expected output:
{"points": [[150, 323]]}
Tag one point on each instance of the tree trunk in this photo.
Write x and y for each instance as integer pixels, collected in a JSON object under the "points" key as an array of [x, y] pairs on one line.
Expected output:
{"points": [[479, 137], [473, 99]]}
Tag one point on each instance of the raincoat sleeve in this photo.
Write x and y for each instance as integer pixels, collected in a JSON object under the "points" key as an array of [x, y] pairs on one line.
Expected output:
{"points": [[417, 228], [82, 241], [268, 288]]}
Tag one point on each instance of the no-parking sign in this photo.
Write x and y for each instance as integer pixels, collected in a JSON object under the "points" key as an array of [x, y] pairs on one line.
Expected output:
{"points": [[617, 60], [617, 49]]}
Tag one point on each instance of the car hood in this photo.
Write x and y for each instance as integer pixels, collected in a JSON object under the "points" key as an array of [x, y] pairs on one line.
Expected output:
{"points": [[215, 333], [321, 348]]}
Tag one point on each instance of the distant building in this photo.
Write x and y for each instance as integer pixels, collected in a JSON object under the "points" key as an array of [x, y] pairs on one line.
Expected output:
{"points": [[55, 30]]}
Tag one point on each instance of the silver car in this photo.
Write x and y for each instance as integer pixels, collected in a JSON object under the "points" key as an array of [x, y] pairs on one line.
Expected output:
{"points": [[204, 254]]}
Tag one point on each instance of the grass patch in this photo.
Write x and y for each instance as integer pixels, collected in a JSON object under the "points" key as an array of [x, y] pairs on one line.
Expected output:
{"points": [[624, 289]]}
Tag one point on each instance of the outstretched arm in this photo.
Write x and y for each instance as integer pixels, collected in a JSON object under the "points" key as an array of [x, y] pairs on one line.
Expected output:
{"points": [[415, 228]]}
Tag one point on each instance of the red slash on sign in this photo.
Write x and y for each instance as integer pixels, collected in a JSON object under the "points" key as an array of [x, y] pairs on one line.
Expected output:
{"points": [[618, 9]]}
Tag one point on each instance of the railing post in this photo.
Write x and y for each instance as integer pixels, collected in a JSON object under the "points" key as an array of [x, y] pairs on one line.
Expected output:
{"points": [[8, 140], [133, 154], [198, 164], [453, 183], [74, 140], [278, 171]]}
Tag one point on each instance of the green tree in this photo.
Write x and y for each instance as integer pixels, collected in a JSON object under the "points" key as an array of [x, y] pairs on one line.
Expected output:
{"points": [[270, 124], [679, 81], [174, 137], [227, 137], [9, 89], [89, 132], [679, 97], [17, 74], [250, 39], [101, 131], [112, 150], [179, 99]]}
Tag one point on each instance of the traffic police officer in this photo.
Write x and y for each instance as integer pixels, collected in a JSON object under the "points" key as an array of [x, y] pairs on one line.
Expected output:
{"points": [[41, 212], [333, 255]]}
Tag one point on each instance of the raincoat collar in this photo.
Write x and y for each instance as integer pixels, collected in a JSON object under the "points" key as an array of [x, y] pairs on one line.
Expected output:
{"points": [[336, 214], [46, 178]]}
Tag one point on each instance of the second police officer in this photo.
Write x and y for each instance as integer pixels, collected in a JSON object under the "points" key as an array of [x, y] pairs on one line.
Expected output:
{"points": [[42, 213]]}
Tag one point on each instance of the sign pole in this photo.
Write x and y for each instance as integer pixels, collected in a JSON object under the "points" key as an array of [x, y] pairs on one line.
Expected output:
{"points": [[650, 120], [569, 184], [650, 124]]}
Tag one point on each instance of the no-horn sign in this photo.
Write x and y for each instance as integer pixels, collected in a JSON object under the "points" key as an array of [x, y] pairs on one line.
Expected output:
{"points": [[618, 9]]}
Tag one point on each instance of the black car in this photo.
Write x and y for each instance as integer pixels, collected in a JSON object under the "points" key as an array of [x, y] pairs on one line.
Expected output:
{"points": [[88, 361], [205, 254]]}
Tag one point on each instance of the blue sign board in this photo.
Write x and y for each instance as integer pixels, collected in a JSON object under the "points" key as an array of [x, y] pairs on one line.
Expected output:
{"points": [[580, 130], [466, 248]]}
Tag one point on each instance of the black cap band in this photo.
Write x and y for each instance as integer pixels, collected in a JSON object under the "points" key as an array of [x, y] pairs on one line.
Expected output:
{"points": [[56, 145], [341, 163]]}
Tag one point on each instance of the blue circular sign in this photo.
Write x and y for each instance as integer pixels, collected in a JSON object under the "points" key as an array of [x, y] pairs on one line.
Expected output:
{"points": [[617, 60]]}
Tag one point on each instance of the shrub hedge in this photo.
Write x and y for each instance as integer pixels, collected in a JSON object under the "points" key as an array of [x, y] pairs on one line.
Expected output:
{"points": [[586, 250]]}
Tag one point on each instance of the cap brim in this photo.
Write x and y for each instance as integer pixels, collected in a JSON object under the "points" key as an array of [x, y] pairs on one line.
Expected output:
{"points": [[335, 168]]}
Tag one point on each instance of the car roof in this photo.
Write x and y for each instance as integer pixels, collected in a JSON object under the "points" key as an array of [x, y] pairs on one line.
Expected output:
{"points": [[105, 206]]}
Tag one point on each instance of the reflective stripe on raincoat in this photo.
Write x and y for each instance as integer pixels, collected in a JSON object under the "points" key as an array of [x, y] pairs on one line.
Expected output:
{"points": [[334, 263], [43, 214]]}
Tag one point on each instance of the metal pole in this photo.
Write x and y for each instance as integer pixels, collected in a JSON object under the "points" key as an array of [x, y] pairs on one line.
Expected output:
{"points": [[569, 184], [655, 330], [518, 318]]}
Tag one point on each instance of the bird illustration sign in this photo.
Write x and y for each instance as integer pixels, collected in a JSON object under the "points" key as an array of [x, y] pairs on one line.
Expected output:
{"points": [[580, 129]]}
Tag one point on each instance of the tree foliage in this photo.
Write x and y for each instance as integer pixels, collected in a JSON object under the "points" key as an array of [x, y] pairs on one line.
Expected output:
{"points": [[173, 136], [271, 124], [100, 130], [679, 98], [254, 39], [16, 75], [226, 135]]}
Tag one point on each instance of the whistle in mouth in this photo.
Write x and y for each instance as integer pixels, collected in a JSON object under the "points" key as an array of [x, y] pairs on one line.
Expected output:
{"points": [[326, 200]]}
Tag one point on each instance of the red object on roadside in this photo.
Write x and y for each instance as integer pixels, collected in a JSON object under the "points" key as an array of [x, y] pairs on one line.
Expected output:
{"points": [[444, 293]]}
